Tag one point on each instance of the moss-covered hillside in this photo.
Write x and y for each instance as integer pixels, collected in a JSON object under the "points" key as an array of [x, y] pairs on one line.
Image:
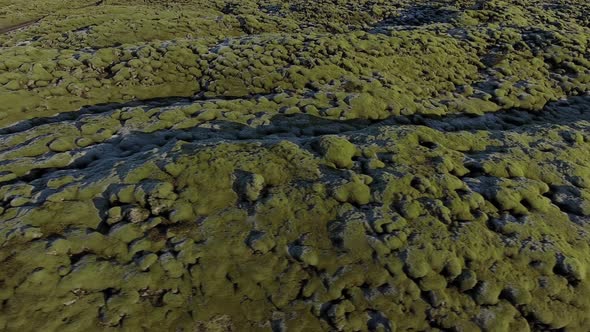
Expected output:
{"points": [[279, 165]]}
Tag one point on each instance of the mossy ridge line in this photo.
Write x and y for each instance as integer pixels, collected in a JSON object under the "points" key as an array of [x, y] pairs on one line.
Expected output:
{"points": [[559, 112], [20, 25], [148, 104], [305, 128]]}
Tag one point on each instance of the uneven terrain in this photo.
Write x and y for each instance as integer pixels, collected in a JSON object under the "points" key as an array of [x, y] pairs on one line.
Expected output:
{"points": [[298, 165]]}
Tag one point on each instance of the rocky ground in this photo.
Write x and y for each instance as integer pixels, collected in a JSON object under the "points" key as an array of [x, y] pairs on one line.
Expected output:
{"points": [[299, 165]]}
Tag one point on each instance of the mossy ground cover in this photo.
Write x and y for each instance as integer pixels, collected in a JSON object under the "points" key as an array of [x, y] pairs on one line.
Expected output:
{"points": [[294, 165]]}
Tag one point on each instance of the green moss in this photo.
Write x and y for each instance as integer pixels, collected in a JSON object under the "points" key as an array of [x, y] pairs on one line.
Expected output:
{"points": [[213, 213], [337, 150], [354, 192], [466, 280]]}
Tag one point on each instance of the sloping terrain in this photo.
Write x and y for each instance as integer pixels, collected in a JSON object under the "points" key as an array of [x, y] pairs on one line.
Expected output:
{"points": [[295, 165]]}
